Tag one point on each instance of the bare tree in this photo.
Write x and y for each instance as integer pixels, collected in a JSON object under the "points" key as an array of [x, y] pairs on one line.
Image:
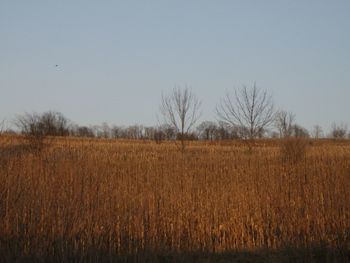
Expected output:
{"points": [[251, 109], [207, 130], [135, 132], [105, 131], [117, 132], [83, 131], [180, 110], [31, 127], [317, 132], [54, 124], [299, 131], [284, 123], [169, 132], [36, 127], [339, 131], [149, 132]]}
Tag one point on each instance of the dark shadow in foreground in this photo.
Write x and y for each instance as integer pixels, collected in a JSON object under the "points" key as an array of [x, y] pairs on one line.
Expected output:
{"points": [[14, 252]]}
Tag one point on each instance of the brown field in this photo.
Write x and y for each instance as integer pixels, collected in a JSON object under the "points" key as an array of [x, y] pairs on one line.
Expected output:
{"points": [[81, 200]]}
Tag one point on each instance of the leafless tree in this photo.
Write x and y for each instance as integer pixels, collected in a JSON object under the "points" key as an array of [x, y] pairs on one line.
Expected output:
{"points": [[284, 123], [97, 130], [180, 110], [105, 131], [29, 124], [149, 132], [339, 131], [223, 131], [83, 131], [317, 132], [166, 132], [53, 124], [299, 131], [36, 127], [207, 130], [228, 132], [158, 136], [251, 109], [135, 132], [117, 132]]}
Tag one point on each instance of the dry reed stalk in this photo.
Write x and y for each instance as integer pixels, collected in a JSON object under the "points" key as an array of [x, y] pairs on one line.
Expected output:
{"points": [[91, 200]]}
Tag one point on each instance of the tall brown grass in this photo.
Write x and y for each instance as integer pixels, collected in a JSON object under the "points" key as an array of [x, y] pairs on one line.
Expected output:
{"points": [[85, 200]]}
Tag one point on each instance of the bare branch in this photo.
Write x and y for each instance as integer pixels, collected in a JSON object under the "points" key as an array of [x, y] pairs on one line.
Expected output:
{"points": [[284, 122], [250, 109], [180, 110]]}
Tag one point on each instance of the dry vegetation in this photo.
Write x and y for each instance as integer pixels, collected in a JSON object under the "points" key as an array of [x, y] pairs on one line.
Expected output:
{"points": [[99, 200]]}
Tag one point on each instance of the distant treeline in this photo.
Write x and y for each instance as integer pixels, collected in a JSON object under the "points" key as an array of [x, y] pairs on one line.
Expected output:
{"points": [[52, 123], [247, 113]]}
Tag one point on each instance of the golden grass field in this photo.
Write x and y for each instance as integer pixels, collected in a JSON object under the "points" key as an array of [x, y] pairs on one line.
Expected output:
{"points": [[89, 200]]}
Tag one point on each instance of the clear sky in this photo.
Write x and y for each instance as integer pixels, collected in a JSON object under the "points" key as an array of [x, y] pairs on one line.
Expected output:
{"points": [[115, 58]]}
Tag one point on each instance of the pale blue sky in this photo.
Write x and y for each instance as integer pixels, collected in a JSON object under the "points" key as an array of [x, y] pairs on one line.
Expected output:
{"points": [[116, 57]]}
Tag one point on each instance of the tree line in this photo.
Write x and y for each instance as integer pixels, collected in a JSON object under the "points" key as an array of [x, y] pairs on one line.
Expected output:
{"points": [[246, 113]]}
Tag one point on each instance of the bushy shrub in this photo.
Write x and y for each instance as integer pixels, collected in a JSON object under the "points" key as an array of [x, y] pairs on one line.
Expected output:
{"points": [[37, 127], [293, 149]]}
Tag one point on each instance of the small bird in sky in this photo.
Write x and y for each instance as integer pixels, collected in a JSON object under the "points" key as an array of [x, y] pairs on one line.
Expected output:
{"points": [[56, 65]]}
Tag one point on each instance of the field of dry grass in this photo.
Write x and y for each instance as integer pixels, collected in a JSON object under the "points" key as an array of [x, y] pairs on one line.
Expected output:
{"points": [[87, 200]]}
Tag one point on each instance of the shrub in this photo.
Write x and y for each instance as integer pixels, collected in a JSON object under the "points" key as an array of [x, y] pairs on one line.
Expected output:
{"points": [[293, 149], [36, 127]]}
